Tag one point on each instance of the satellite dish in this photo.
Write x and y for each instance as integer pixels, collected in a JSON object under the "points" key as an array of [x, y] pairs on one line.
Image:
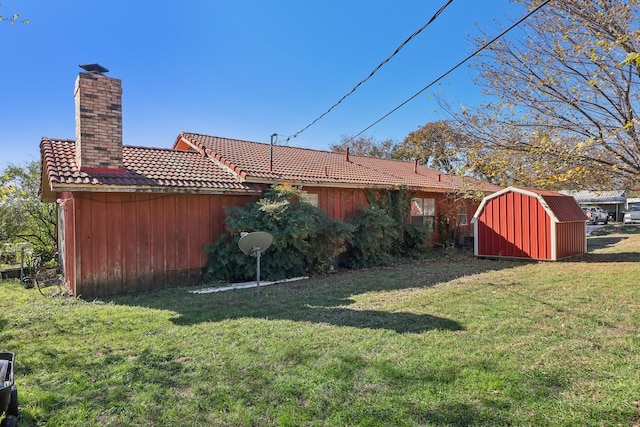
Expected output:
{"points": [[254, 244], [258, 240]]}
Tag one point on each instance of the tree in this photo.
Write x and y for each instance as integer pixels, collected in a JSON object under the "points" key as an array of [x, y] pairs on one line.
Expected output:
{"points": [[435, 145], [568, 97], [23, 216], [364, 146], [13, 18]]}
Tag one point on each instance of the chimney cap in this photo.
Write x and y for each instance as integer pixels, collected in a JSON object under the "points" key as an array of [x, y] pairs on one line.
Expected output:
{"points": [[94, 68]]}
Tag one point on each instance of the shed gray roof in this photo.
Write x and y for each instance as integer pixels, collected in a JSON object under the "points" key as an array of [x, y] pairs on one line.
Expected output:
{"points": [[596, 197]]}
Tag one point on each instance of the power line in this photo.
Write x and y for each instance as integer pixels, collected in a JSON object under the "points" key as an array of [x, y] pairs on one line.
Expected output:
{"points": [[450, 70], [375, 70]]}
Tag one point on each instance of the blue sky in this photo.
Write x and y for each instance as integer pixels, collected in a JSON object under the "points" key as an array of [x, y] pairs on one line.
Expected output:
{"points": [[237, 69]]}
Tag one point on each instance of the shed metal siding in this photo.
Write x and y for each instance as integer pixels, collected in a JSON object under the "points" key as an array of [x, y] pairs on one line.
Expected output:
{"points": [[512, 226], [542, 225], [571, 239]]}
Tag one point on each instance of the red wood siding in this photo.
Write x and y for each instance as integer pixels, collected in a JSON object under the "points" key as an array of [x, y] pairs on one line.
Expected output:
{"points": [[136, 242], [118, 243], [339, 203]]}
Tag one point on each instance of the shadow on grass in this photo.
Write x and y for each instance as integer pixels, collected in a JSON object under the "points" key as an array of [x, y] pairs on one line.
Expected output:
{"points": [[604, 241], [601, 242], [604, 258], [463, 414], [616, 229], [324, 300]]}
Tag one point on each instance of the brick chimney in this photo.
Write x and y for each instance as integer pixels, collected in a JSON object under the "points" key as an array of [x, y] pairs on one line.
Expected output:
{"points": [[98, 121]]}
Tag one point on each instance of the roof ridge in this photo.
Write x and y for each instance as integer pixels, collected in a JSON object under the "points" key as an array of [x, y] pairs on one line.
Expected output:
{"points": [[317, 150], [142, 147], [46, 138], [351, 156], [160, 149]]}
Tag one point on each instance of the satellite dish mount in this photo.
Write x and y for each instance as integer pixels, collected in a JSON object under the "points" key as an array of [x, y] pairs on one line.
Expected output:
{"points": [[254, 244]]}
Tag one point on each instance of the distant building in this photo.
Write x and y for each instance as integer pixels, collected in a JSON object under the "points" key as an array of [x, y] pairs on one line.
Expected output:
{"points": [[613, 201]]}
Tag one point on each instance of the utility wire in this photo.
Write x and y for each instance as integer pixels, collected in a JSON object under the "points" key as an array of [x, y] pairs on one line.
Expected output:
{"points": [[375, 70], [450, 70]]}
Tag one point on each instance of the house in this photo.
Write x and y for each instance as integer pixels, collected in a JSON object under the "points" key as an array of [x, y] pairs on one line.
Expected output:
{"points": [[133, 218], [529, 224]]}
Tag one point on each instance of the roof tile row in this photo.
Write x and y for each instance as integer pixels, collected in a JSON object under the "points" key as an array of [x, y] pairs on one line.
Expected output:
{"points": [[321, 167], [201, 162], [151, 167]]}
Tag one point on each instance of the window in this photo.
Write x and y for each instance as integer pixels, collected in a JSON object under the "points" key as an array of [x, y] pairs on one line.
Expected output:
{"points": [[312, 199], [462, 215], [423, 212]]}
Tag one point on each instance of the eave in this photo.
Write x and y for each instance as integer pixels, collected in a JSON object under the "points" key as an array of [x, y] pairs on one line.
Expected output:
{"points": [[56, 188]]}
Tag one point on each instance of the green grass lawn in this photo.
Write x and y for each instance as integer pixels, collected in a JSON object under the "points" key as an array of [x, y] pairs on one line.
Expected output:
{"points": [[450, 340]]}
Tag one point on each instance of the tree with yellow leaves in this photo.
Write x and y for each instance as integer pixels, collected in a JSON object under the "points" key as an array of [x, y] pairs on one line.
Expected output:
{"points": [[565, 94], [13, 18]]}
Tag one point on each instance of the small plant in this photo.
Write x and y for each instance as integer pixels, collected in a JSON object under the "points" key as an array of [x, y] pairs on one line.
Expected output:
{"points": [[444, 230], [51, 264]]}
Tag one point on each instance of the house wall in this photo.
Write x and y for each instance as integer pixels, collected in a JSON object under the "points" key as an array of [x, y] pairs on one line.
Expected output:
{"points": [[341, 203], [116, 243], [132, 242]]}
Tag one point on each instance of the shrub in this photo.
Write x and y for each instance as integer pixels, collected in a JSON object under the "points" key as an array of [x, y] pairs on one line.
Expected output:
{"points": [[416, 239], [304, 239], [382, 231], [375, 239]]}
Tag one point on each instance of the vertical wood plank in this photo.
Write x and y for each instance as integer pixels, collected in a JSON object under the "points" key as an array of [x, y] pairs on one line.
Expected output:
{"points": [[115, 238], [86, 243], [517, 224], [215, 217], [157, 241], [170, 238], [526, 226], [143, 250], [130, 242]]}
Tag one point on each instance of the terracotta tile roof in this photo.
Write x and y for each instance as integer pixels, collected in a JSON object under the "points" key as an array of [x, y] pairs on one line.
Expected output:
{"points": [[250, 160], [157, 169]]}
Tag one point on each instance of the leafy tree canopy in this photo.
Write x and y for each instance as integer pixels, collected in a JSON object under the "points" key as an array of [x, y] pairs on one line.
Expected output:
{"points": [[364, 146], [12, 18], [435, 145], [23, 216], [567, 90]]}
